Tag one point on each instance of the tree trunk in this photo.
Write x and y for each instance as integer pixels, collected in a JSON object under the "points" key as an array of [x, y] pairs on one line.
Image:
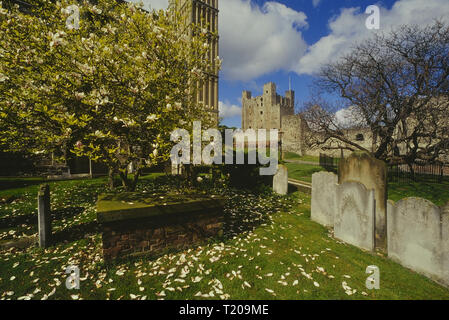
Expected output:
{"points": [[111, 178], [129, 184]]}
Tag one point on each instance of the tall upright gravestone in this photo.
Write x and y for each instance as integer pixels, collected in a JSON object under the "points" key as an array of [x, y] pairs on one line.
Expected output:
{"points": [[44, 216], [372, 173], [280, 180]]}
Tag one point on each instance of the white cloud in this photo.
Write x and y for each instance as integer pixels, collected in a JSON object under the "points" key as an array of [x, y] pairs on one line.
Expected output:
{"points": [[349, 117], [255, 40], [228, 110], [258, 40], [349, 27]]}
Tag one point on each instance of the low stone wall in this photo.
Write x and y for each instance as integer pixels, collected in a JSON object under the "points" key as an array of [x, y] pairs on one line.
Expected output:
{"points": [[148, 226], [418, 237], [324, 186]]}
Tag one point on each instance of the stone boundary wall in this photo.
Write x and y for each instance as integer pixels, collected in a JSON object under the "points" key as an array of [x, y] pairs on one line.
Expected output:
{"points": [[418, 237], [324, 186]]}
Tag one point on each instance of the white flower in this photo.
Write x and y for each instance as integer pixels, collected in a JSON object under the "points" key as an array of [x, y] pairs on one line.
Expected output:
{"points": [[199, 179], [3, 77], [97, 10], [80, 95], [151, 117], [169, 106]]}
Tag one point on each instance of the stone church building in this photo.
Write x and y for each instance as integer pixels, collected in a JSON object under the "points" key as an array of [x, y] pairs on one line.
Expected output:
{"points": [[273, 111]]}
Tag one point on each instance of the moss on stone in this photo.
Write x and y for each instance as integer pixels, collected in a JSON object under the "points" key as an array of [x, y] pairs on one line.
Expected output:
{"points": [[130, 206]]}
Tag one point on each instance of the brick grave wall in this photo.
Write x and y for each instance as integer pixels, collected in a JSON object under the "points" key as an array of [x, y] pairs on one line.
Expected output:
{"points": [[152, 236]]}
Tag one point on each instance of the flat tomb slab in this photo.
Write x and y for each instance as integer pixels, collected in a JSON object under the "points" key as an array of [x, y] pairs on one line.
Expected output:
{"points": [[129, 206], [135, 223]]}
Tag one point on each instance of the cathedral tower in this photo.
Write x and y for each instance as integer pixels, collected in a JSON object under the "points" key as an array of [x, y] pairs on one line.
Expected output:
{"points": [[205, 14]]}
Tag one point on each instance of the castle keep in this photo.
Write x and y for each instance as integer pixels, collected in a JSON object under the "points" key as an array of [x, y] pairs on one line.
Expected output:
{"points": [[272, 111]]}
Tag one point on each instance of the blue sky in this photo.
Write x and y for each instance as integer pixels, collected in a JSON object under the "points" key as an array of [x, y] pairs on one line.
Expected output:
{"points": [[263, 41]]}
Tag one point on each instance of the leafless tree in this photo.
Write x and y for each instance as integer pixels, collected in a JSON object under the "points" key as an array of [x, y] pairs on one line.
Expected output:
{"points": [[394, 85]]}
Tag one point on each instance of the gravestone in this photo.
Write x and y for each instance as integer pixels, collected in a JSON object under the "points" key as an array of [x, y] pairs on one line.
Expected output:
{"points": [[324, 186], [418, 237], [372, 173], [44, 216], [280, 180], [354, 216]]}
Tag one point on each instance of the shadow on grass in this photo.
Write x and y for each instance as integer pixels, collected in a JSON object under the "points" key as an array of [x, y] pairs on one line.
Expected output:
{"points": [[76, 233], [32, 219], [13, 183]]}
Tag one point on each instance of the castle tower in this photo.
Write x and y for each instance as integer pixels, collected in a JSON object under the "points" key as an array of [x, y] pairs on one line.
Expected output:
{"points": [[273, 111], [205, 14]]}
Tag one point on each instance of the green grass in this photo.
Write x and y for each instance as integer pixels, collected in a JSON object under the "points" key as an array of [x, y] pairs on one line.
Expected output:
{"points": [[272, 250], [301, 171], [438, 193], [295, 156]]}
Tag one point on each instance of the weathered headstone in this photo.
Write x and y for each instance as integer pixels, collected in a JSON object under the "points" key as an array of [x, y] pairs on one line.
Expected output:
{"points": [[372, 173], [324, 186], [280, 180], [418, 237], [44, 216], [354, 217]]}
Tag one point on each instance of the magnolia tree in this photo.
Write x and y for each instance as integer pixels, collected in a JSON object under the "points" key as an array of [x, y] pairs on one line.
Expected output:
{"points": [[112, 88]]}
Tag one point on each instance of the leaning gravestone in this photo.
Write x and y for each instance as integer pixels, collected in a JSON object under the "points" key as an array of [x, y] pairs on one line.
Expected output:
{"points": [[44, 216], [372, 173], [324, 186], [280, 180], [354, 217]]}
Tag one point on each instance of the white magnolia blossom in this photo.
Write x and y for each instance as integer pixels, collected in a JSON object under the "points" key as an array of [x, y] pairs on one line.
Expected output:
{"points": [[56, 39], [80, 95], [151, 117], [3, 77], [99, 134]]}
